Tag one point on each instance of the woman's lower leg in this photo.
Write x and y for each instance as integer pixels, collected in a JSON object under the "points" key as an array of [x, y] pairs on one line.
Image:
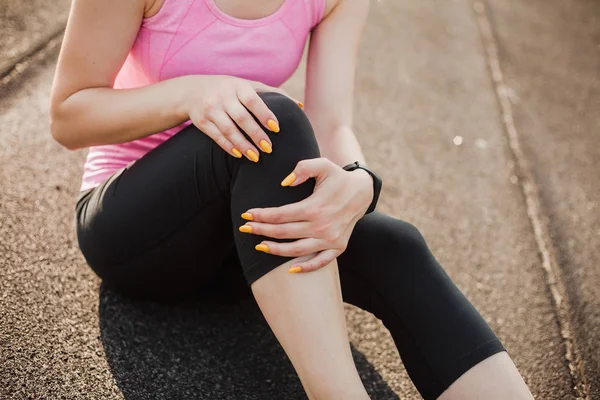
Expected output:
{"points": [[495, 378], [306, 314], [448, 349], [305, 311]]}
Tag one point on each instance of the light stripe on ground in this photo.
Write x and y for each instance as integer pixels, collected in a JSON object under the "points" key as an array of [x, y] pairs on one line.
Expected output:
{"points": [[552, 271]]}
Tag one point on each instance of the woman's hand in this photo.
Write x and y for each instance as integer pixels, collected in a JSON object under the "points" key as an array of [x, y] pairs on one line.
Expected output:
{"points": [[225, 101], [322, 223]]}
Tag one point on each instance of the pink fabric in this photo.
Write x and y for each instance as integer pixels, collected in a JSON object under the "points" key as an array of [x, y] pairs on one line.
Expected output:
{"points": [[195, 37]]}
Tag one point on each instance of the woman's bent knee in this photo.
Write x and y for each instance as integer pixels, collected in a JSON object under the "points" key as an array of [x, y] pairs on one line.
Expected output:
{"points": [[296, 139], [258, 185], [284, 108], [389, 237]]}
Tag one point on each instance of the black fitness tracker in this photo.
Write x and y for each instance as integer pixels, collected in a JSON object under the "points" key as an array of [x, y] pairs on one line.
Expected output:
{"points": [[377, 183]]}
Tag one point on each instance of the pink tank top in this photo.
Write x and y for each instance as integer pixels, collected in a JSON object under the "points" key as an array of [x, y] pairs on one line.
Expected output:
{"points": [[195, 37]]}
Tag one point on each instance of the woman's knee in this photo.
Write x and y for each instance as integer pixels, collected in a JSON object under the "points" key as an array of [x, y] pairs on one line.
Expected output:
{"points": [[295, 140], [258, 185], [390, 237], [284, 108], [410, 239], [388, 252]]}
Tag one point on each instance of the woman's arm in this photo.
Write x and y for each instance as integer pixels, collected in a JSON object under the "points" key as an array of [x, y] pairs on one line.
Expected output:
{"points": [[330, 80], [85, 110]]}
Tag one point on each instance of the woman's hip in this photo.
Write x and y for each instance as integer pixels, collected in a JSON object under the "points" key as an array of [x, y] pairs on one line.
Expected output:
{"points": [[139, 210]]}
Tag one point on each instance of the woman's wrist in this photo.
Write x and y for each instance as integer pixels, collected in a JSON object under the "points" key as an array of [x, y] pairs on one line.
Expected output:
{"points": [[191, 89], [364, 182], [187, 88], [182, 88]]}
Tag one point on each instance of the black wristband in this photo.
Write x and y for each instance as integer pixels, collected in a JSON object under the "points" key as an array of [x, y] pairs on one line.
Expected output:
{"points": [[377, 183]]}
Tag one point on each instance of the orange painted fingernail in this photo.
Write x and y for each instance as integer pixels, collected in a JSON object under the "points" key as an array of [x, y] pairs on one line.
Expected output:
{"points": [[246, 229], [247, 216], [252, 155], [288, 179], [301, 105], [273, 125], [265, 146], [236, 153], [293, 270], [262, 247]]}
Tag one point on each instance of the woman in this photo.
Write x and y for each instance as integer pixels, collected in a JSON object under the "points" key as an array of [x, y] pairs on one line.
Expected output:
{"points": [[198, 161]]}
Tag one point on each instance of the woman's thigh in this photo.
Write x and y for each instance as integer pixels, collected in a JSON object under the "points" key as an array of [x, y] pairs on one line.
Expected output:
{"points": [[161, 225]]}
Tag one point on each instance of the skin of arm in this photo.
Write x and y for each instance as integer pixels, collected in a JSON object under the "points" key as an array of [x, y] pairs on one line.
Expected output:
{"points": [[330, 80], [85, 110]]}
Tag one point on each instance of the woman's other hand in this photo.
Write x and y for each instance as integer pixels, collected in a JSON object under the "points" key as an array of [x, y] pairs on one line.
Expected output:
{"points": [[322, 223], [225, 101]]}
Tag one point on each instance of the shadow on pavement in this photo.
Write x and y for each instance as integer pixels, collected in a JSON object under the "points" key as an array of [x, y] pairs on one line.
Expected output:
{"points": [[213, 346]]}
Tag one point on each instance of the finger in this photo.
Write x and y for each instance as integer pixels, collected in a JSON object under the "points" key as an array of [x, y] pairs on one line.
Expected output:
{"points": [[233, 134], [305, 169], [211, 130], [246, 122], [260, 87], [297, 248], [293, 230], [252, 101], [322, 259], [293, 212]]}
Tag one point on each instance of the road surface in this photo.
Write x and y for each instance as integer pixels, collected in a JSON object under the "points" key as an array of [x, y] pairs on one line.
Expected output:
{"points": [[431, 119]]}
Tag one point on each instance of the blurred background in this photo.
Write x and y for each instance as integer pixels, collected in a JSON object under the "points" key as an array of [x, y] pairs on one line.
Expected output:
{"points": [[483, 118]]}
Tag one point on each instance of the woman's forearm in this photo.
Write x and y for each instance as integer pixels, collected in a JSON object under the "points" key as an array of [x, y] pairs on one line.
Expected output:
{"points": [[340, 146], [97, 116]]}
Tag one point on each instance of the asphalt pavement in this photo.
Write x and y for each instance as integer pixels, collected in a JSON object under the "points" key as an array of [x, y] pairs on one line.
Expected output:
{"points": [[551, 61], [430, 118]]}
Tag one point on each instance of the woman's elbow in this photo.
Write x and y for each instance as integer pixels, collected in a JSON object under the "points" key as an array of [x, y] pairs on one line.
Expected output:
{"points": [[59, 128]]}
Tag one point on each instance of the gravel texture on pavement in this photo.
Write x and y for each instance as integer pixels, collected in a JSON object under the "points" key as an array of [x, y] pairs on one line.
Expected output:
{"points": [[26, 25]]}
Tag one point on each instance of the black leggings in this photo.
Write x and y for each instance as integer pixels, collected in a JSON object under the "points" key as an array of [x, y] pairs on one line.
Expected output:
{"points": [[168, 224]]}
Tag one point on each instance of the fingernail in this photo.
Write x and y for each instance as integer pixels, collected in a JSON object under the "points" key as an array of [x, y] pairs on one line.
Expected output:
{"points": [[265, 146], [301, 105], [246, 229], [293, 270], [247, 216], [262, 247], [288, 179], [252, 155], [274, 126], [236, 153]]}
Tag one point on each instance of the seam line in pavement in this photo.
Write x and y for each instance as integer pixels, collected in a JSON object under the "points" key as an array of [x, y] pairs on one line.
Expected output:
{"points": [[31, 58], [554, 279]]}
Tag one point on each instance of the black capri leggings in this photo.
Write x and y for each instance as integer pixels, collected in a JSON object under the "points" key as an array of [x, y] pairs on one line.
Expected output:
{"points": [[168, 224]]}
